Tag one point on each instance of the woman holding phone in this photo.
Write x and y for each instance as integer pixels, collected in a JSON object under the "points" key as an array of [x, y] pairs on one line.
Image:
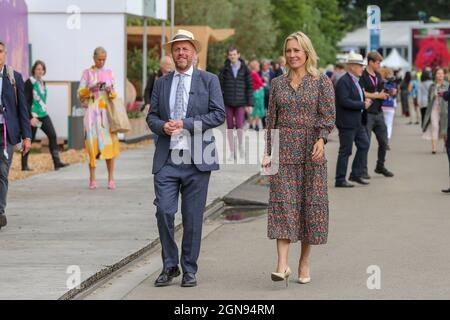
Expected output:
{"points": [[96, 87]]}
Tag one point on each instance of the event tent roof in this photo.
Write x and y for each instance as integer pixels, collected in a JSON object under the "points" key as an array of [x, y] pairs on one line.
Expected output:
{"points": [[395, 60]]}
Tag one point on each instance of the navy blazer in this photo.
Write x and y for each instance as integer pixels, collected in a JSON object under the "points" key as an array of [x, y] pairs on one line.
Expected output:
{"points": [[205, 106], [349, 107], [17, 120]]}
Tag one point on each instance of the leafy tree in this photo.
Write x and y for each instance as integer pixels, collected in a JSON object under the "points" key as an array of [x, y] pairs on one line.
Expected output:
{"points": [[320, 20], [256, 30], [214, 13], [252, 20], [194, 12], [217, 53], [134, 66]]}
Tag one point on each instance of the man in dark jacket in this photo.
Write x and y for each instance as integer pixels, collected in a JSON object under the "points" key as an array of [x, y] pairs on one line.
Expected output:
{"points": [[350, 106], [446, 96], [14, 123], [372, 85], [237, 89]]}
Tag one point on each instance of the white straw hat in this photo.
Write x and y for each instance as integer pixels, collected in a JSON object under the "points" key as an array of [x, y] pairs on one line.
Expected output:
{"points": [[183, 35], [355, 58]]}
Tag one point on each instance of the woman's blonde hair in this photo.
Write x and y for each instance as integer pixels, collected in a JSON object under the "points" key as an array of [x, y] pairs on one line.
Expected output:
{"points": [[311, 55], [386, 73]]}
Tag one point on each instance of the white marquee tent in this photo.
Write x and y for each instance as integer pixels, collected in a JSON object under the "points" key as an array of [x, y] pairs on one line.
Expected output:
{"points": [[395, 61]]}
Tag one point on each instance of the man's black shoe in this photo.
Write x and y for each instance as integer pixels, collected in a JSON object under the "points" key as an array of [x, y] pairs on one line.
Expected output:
{"points": [[446, 190], [385, 172], [365, 176], [358, 180], [60, 165], [166, 276], [343, 184], [3, 221], [188, 280]]}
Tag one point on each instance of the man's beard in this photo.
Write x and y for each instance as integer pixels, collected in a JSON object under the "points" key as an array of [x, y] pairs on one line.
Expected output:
{"points": [[182, 64]]}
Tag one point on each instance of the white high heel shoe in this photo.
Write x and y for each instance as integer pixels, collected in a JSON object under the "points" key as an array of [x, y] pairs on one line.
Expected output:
{"points": [[280, 276], [304, 280]]}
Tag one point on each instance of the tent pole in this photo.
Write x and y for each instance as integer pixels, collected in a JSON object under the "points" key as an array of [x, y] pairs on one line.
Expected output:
{"points": [[172, 17]]}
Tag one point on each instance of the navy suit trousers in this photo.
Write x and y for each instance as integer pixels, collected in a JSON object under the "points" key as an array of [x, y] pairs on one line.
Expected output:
{"points": [[346, 139], [169, 182]]}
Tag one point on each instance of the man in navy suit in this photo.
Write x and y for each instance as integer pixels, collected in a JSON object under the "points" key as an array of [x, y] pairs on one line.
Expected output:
{"points": [[14, 124], [350, 106], [185, 103], [446, 96]]}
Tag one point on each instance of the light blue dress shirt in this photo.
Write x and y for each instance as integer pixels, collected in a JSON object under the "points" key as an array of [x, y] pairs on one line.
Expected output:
{"points": [[183, 143], [356, 81]]}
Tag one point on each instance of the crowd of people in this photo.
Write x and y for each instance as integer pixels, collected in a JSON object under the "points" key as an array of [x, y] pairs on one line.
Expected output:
{"points": [[420, 95]]}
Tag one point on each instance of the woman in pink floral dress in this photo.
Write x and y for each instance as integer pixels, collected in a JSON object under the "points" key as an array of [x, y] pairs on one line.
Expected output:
{"points": [[96, 88], [302, 114]]}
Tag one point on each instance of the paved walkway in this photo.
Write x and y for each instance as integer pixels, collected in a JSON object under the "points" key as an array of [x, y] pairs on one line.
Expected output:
{"points": [[55, 221], [399, 224]]}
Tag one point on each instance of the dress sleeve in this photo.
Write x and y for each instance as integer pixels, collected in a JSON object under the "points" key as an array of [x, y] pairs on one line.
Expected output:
{"points": [[83, 88], [326, 108], [271, 118]]}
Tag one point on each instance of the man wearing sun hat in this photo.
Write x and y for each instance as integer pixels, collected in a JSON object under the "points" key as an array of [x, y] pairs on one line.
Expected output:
{"points": [[185, 103], [350, 119]]}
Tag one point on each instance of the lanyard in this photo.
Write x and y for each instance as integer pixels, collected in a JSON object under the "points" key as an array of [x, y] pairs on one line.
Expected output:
{"points": [[375, 83]]}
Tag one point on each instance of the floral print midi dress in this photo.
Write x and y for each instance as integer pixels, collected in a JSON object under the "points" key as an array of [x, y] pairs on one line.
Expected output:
{"points": [[298, 200]]}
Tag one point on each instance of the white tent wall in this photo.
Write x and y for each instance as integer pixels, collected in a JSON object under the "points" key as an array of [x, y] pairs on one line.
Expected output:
{"points": [[396, 61], [68, 52]]}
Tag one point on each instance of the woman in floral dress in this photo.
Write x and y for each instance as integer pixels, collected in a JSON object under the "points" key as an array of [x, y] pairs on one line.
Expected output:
{"points": [[302, 114], [96, 87]]}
